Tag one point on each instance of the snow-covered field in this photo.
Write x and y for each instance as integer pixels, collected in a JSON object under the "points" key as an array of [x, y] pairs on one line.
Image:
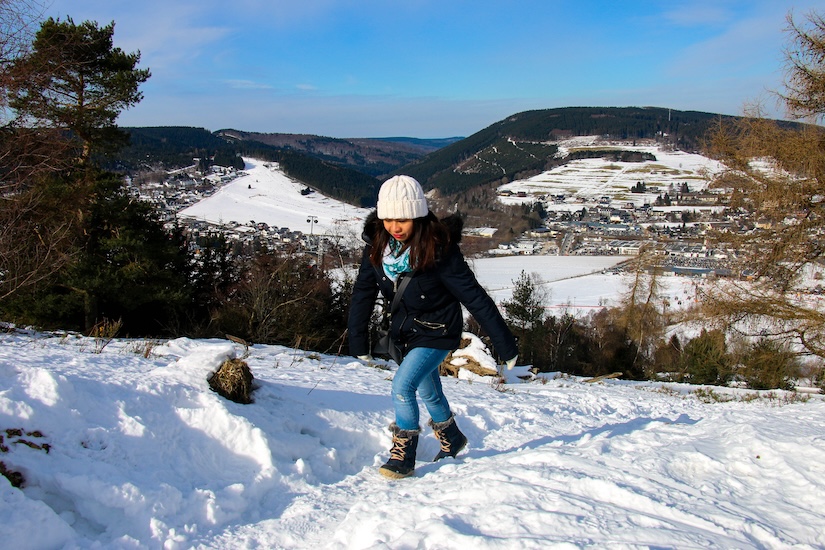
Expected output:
{"points": [[141, 454], [265, 194], [578, 284], [591, 179]]}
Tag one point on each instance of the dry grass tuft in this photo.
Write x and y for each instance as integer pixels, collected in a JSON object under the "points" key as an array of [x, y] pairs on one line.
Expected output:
{"points": [[233, 380]]}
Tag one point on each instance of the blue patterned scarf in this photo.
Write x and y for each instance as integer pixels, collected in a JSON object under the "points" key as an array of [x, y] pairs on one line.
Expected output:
{"points": [[395, 263]]}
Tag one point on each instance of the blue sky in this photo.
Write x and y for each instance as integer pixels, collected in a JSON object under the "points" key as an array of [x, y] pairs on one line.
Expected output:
{"points": [[438, 68]]}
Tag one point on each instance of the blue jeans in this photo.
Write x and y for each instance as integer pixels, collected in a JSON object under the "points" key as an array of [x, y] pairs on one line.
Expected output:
{"points": [[419, 372]]}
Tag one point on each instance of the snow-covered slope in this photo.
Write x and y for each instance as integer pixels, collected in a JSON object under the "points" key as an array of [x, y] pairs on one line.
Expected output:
{"points": [[265, 194], [591, 179], [141, 454]]}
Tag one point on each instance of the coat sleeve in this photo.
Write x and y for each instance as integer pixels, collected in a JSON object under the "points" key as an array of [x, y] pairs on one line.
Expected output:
{"points": [[460, 280], [364, 293]]}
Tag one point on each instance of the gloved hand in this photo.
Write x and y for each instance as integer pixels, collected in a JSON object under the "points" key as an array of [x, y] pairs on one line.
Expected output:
{"points": [[365, 357], [511, 362]]}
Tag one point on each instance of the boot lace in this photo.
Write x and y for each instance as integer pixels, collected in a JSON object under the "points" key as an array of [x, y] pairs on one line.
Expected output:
{"points": [[397, 450], [444, 440]]}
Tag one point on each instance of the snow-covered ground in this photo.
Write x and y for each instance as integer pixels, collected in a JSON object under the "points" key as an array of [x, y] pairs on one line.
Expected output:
{"points": [[141, 454], [265, 194], [591, 179], [125, 446]]}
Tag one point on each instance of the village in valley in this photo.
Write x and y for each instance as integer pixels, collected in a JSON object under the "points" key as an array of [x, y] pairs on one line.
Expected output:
{"points": [[593, 207]]}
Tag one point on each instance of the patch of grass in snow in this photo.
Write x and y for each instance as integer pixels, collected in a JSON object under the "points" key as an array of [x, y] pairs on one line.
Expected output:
{"points": [[499, 384], [104, 332], [17, 436], [144, 348], [708, 395]]}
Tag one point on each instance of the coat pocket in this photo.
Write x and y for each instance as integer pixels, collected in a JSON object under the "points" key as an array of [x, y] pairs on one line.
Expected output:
{"points": [[429, 325]]}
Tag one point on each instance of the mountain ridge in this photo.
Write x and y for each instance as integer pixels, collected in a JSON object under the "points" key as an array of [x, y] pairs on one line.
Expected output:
{"points": [[521, 144], [373, 156], [516, 147]]}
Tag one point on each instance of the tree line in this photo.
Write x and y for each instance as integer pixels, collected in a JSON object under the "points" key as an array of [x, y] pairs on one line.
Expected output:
{"points": [[633, 339]]}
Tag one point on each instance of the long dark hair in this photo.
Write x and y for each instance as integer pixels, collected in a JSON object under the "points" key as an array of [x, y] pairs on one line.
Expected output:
{"points": [[430, 238]]}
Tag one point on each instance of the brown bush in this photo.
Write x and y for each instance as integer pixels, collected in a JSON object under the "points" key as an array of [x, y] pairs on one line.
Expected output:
{"points": [[233, 380]]}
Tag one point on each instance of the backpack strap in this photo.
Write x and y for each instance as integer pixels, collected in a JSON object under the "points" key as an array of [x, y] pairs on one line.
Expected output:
{"points": [[399, 292], [400, 285]]}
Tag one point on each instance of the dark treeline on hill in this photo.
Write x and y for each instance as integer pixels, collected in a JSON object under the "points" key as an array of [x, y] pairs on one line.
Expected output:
{"points": [[518, 145], [173, 147], [334, 181], [165, 148], [427, 145], [374, 156], [350, 169]]}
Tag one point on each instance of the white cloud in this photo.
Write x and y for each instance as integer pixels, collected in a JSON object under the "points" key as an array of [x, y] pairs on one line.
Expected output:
{"points": [[247, 85]]}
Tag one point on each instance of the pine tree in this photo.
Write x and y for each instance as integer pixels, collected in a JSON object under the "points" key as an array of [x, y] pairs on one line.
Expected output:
{"points": [[525, 314], [769, 364], [130, 268], [116, 261], [705, 359], [75, 79], [32, 247]]}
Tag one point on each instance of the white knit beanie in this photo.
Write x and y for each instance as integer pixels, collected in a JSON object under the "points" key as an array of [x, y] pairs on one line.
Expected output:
{"points": [[401, 198]]}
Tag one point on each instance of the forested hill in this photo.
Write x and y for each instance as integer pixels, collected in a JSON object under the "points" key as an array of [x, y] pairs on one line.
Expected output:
{"points": [[350, 169], [158, 149], [374, 156], [518, 145]]}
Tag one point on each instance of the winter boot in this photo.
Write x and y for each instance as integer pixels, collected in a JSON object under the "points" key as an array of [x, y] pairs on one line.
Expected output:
{"points": [[402, 455], [450, 437]]}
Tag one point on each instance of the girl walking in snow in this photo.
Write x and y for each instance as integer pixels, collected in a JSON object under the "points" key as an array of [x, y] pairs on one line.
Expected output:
{"points": [[410, 251]]}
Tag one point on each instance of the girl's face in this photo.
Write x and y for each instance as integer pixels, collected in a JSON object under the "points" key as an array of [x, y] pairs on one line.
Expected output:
{"points": [[401, 230]]}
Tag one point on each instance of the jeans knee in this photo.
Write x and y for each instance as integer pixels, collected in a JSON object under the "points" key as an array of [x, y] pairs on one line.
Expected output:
{"points": [[400, 386], [429, 395]]}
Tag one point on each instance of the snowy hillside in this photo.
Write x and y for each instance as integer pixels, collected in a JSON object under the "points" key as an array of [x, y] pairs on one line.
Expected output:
{"points": [[126, 447], [591, 179], [265, 194]]}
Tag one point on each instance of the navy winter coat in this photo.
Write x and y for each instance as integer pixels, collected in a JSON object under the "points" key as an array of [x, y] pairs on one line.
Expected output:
{"points": [[429, 314]]}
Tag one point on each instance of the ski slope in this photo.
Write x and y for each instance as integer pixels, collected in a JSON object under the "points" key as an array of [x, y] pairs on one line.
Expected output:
{"points": [[264, 194]]}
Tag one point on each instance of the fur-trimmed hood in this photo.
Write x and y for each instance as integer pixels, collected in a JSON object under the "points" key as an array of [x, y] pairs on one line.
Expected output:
{"points": [[429, 313], [454, 223]]}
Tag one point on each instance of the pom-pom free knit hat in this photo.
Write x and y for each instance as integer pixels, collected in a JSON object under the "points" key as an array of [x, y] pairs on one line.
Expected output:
{"points": [[401, 198]]}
